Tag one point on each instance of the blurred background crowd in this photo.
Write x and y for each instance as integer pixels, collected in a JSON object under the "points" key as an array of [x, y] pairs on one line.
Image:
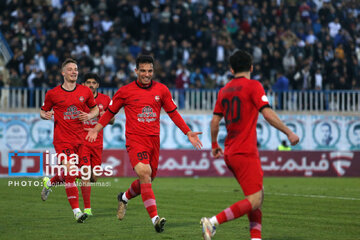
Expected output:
{"points": [[300, 45]]}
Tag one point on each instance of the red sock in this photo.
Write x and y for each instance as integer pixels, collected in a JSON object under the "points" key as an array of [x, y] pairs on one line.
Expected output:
{"points": [[148, 198], [86, 191], [58, 178], [255, 223], [72, 191], [234, 211], [134, 189]]}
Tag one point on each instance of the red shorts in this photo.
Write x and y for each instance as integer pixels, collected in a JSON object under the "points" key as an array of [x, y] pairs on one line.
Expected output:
{"points": [[144, 150], [91, 156], [247, 171], [68, 149]]}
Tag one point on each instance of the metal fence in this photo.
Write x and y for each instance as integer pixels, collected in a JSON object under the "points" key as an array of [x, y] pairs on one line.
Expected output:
{"points": [[204, 100]]}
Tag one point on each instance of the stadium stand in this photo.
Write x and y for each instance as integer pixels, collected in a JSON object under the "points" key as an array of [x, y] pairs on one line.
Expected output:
{"points": [[297, 45]]}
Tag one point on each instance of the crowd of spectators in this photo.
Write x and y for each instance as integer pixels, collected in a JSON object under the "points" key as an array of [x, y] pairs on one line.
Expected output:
{"points": [[313, 44]]}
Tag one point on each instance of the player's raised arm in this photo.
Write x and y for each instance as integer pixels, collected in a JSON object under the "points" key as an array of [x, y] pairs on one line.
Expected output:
{"points": [[180, 123], [275, 121]]}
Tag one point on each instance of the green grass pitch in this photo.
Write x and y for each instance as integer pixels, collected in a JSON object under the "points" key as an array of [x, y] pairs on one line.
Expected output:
{"points": [[294, 208]]}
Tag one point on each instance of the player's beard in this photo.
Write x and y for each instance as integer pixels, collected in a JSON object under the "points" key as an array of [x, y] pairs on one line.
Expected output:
{"points": [[93, 90]]}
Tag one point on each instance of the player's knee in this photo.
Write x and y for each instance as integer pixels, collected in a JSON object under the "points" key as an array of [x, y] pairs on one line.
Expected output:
{"points": [[144, 173], [255, 200]]}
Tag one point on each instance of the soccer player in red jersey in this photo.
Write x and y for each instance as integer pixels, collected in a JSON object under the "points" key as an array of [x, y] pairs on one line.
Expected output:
{"points": [[142, 100], [67, 103], [91, 152], [239, 103]]}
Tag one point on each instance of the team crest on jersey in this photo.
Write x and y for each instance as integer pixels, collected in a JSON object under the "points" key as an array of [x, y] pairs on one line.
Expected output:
{"points": [[81, 98], [157, 98], [101, 107]]}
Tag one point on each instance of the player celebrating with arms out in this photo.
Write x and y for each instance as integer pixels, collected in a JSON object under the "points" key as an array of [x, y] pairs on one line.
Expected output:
{"points": [[67, 103], [91, 152], [142, 100], [239, 103]]}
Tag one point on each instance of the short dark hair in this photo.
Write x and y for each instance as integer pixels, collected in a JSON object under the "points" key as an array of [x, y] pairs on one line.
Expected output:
{"points": [[91, 76], [144, 59], [240, 61], [67, 61]]}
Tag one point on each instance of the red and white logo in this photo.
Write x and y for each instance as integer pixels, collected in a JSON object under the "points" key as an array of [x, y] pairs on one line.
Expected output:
{"points": [[101, 107], [341, 161], [81, 98], [157, 98]]}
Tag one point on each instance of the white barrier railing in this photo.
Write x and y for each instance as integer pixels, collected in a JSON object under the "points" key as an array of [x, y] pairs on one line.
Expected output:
{"points": [[204, 100]]}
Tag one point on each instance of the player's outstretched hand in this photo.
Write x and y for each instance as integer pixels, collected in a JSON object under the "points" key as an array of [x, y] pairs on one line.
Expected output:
{"points": [[217, 151], [194, 139], [83, 116], [49, 115], [92, 134], [293, 138]]}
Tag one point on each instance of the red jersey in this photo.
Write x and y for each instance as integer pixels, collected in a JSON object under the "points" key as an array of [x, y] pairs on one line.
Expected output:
{"points": [[142, 107], [240, 102], [102, 101], [67, 105]]}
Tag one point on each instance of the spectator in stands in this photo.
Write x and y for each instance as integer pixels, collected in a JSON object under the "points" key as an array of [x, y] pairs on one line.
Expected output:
{"points": [[197, 76], [282, 84], [212, 30]]}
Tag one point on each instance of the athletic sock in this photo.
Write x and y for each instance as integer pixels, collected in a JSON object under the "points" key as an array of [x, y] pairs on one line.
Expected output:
{"points": [[76, 210], [148, 198], [234, 211], [86, 192], [255, 223], [214, 221], [72, 192], [154, 219], [133, 191]]}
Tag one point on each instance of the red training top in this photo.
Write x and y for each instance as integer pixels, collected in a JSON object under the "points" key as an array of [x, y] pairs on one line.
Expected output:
{"points": [[142, 107], [240, 102], [67, 106]]}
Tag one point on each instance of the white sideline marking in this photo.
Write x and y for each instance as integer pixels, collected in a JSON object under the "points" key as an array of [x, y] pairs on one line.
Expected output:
{"points": [[312, 196]]}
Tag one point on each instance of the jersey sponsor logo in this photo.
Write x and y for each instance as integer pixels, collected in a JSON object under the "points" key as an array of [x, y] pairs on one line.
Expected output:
{"points": [[264, 98], [81, 98], [147, 115], [91, 122], [157, 98], [71, 113]]}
